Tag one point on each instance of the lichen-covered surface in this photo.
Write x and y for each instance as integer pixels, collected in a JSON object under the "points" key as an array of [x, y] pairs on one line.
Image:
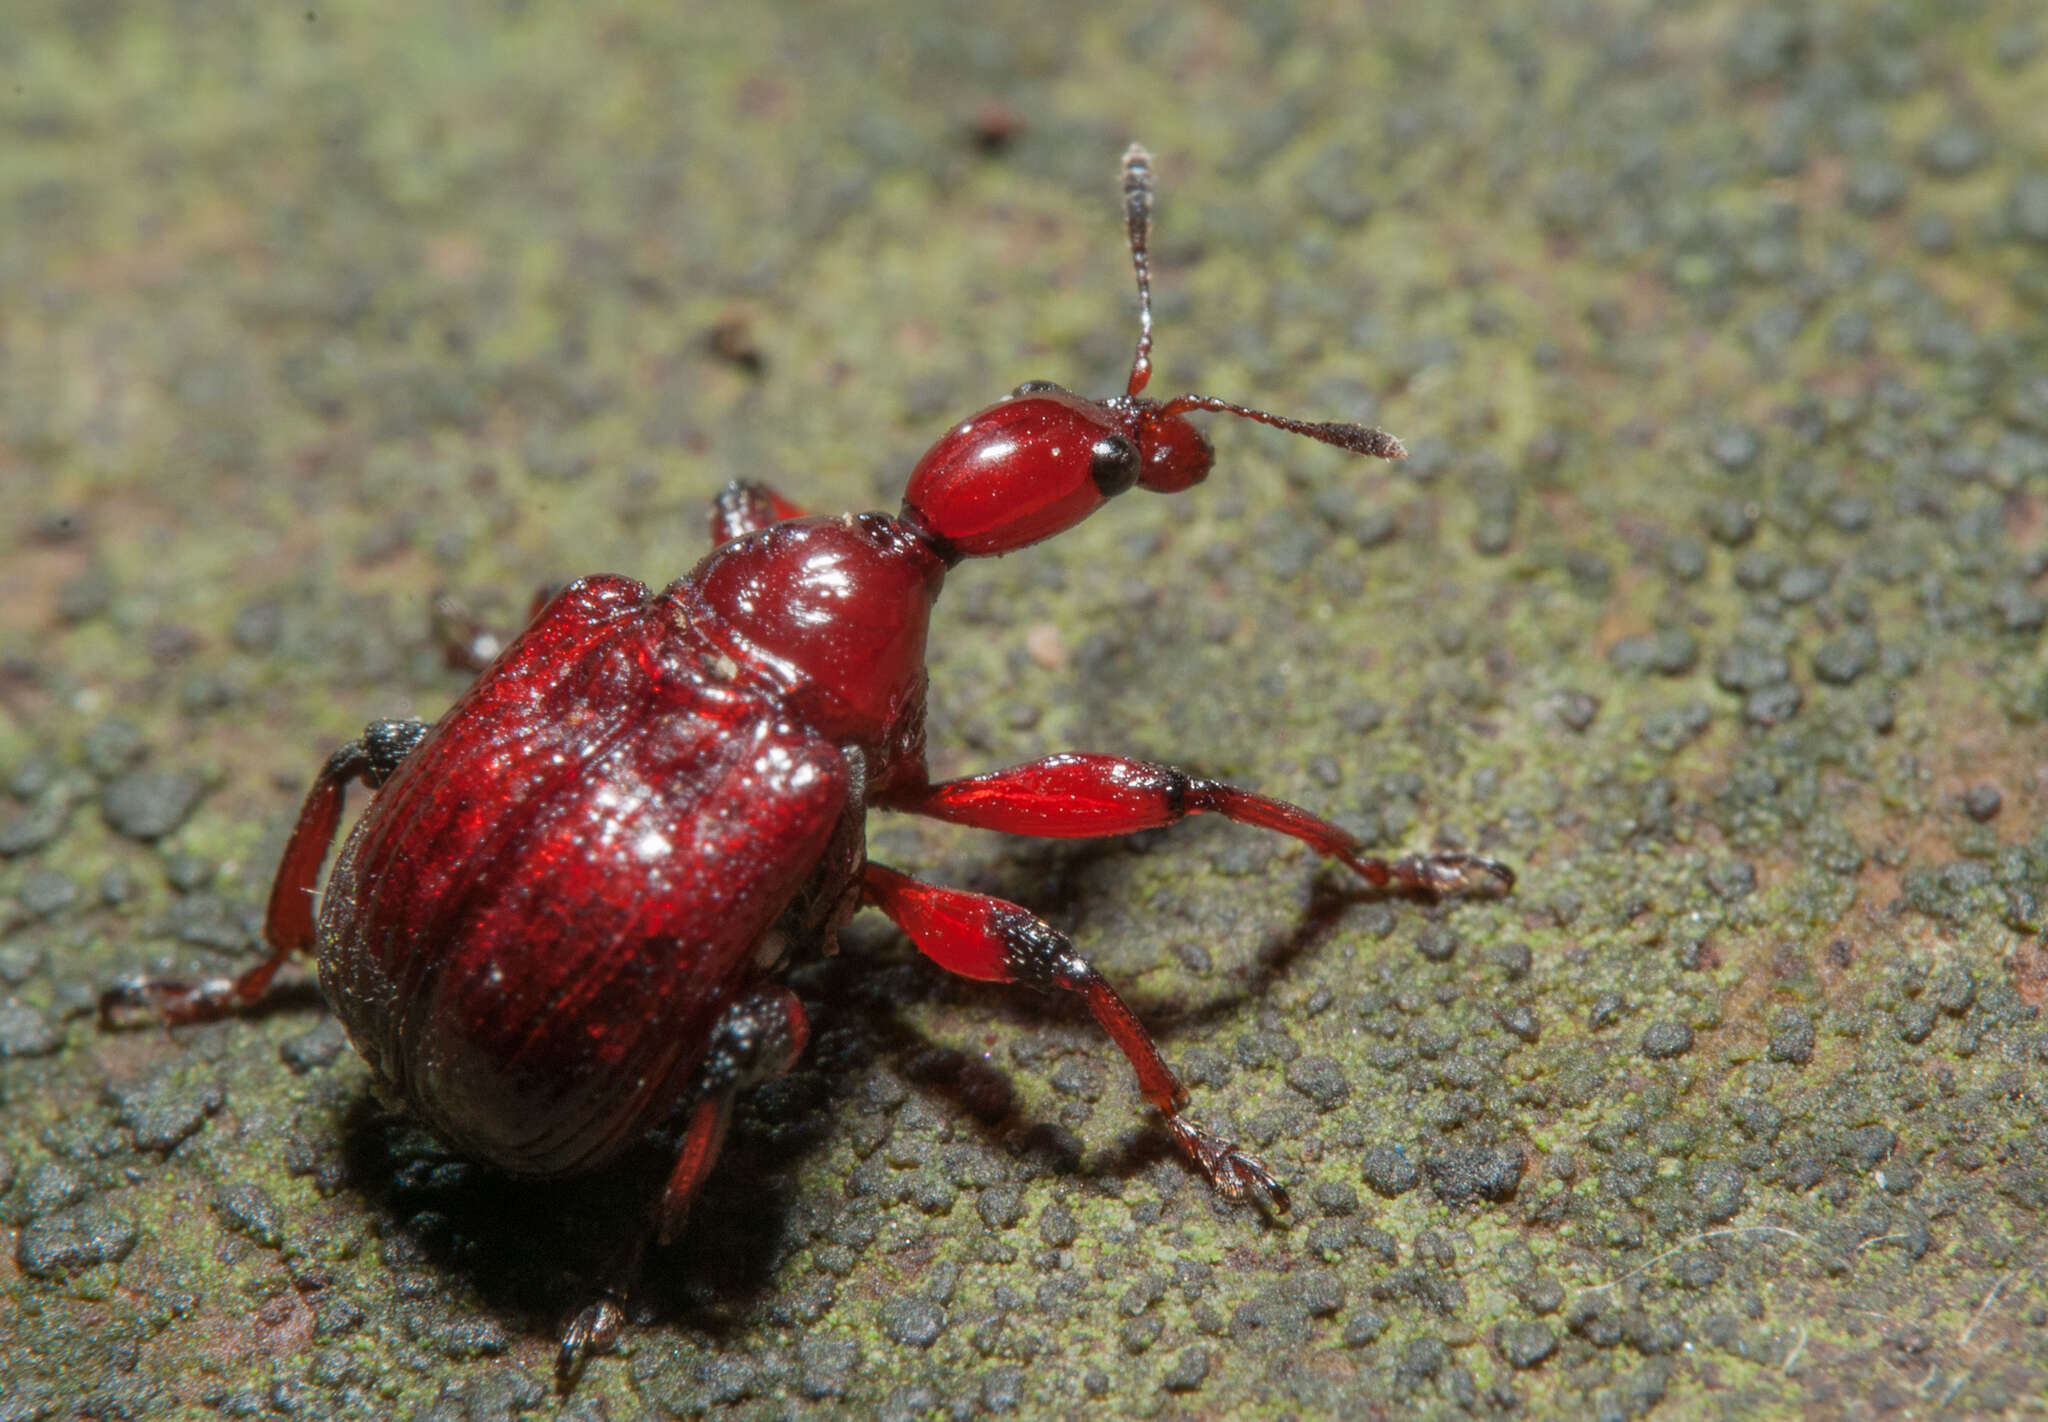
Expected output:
{"points": [[1712, 599]]}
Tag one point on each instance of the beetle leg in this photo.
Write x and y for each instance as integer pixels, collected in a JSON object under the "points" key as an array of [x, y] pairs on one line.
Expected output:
{"points": [[594, 1330], [758, 1039], [978, 936], [288, 924], [743, 507], [1081, 796]]}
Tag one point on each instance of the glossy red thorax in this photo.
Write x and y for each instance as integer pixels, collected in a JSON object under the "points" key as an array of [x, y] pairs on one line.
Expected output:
{"points": [[828, 614]]}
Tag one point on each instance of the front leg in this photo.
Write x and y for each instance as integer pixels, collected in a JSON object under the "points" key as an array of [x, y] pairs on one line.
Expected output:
{"points": [[1080, 796], [743, 507]]}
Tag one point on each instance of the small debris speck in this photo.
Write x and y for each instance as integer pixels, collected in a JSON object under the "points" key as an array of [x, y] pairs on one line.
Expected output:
{"points": [[1486, 1173], [72, 1240], [1188, 1371], [148, 805], [1792, 1038], [47, 892], [912, 1321], [27, 1032], [1577, 709], [1735, 447], [1389, 1172], [1982, 802], [1664, 1040], [1528, 1343], [1321, 1080], [250, 1210]]}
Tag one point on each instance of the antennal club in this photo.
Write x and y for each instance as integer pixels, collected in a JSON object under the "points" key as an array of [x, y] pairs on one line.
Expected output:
{"points": [[1359, 439], [1138, 227]]}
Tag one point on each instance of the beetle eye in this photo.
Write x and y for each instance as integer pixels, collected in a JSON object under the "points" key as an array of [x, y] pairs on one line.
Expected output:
{"points": [[1113, 464], [1036, 387]]}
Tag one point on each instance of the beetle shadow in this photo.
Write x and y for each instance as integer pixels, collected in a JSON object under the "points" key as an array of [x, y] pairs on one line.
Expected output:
{"points": [[536, 1251]]}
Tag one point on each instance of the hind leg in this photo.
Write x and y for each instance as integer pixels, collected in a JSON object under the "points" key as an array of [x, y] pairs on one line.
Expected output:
{"points": [[758, 1039]]}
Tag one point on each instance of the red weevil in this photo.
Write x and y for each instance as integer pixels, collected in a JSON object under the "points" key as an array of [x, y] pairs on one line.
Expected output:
{"points": [[558, 925]]}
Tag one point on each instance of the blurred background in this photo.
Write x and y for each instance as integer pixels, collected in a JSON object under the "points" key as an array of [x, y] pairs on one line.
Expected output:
{"points": [[1711, 599]]}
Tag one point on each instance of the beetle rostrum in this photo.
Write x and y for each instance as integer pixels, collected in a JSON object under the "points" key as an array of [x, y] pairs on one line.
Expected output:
{"points": [[558, 925]]}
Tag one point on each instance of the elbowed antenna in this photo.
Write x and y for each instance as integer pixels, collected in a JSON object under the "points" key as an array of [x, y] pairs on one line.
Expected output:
{"points": [[1359, 439]]}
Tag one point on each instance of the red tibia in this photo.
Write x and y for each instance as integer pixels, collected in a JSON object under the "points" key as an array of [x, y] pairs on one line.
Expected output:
{"points": [[1081, 796], [705, 1134], [978, 936], [288, 925]]}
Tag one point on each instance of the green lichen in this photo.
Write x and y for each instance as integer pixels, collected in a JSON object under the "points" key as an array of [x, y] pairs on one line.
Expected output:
{"points": [[1710, 596]]}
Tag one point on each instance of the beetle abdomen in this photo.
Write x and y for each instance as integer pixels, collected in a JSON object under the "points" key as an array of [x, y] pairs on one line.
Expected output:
{"points": [[539, 918]]}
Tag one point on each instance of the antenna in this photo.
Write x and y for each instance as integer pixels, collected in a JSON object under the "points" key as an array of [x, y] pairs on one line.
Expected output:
{"points": [[1359, 439], [1138, 227]]}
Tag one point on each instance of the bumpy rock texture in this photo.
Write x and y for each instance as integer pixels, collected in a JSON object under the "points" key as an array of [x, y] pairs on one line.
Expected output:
{"points": [[1712, 598]]}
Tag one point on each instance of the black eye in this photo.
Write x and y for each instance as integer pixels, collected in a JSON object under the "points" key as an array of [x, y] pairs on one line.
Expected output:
{"points": [[1113, 464], [1036, 387]]}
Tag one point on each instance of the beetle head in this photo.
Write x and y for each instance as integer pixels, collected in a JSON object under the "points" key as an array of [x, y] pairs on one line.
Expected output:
{"points": [[1044, 459]]}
